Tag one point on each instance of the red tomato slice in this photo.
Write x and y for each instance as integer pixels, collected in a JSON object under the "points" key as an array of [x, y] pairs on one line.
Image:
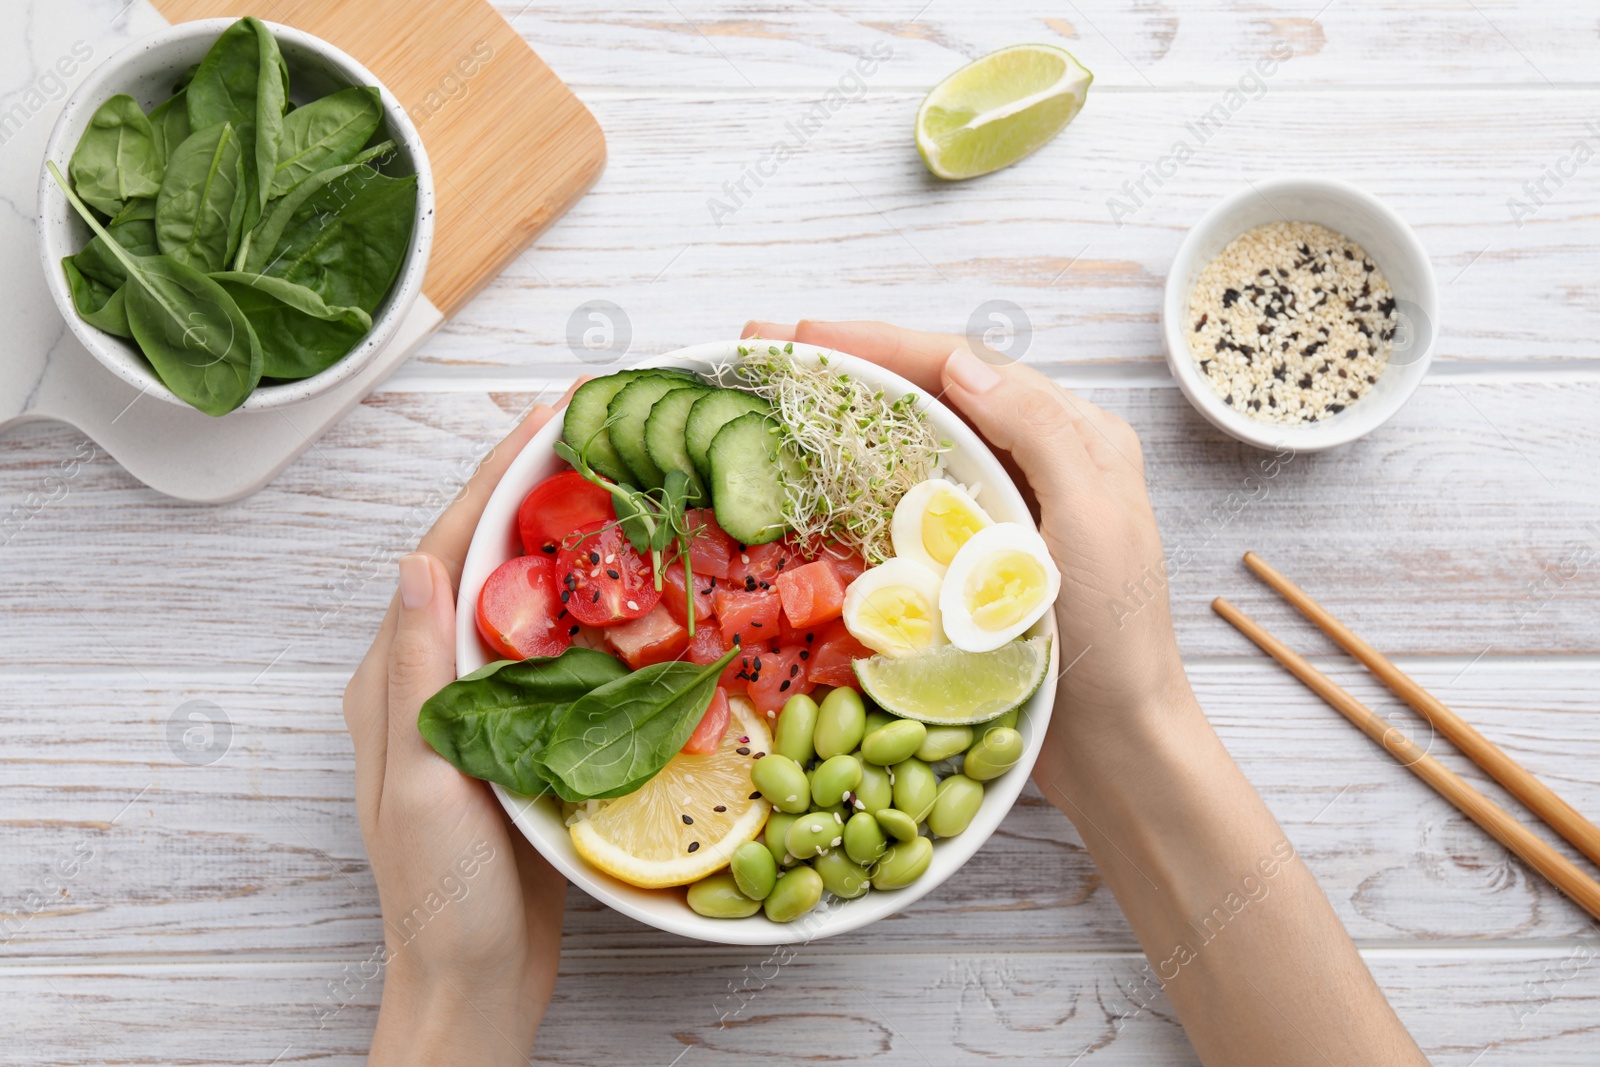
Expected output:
{"points": [[777, 676], [811, 593], [556, 507], [748, 618], [603, 580], [713, 724], [829, 662], [654, 638], [673, 594], [709, 548], [519, 613]]}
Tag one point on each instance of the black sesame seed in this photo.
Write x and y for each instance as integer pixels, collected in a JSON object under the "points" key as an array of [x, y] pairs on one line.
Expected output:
{"points": [[688, 820], [760, 754], [757, 625], [810, 638], [743, 751], [794, 669], [756, 795], [694, 846], [720, 807]]}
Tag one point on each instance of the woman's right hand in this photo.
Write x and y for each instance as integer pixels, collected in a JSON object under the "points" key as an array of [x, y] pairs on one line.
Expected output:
{"points": [[1084, 468]]}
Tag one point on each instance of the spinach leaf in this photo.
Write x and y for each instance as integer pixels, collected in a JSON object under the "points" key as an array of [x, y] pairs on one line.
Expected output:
{"points": [[116, 157], [259, 246], [139, 209], [492, 723], [97, 304], [96, 260], [190, 330], [348, 239], [325, 133], [170, 124], [299, 334], [620, 735], [243, 81], [202, 199]]}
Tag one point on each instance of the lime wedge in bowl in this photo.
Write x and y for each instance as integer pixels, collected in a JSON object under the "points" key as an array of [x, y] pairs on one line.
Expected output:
{"points": [[998, 109], [949, 687]]}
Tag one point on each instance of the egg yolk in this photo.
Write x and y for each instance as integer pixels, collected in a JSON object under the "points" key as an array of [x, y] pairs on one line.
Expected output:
{"points": [[900, 615], [947, 524], [1003, 589]]}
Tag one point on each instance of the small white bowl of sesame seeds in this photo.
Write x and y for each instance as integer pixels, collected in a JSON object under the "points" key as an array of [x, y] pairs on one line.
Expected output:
{"points": [[1299, 314]]}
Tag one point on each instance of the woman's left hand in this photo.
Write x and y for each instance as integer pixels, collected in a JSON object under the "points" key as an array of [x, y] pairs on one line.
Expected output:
{"points": [[471, 913]]}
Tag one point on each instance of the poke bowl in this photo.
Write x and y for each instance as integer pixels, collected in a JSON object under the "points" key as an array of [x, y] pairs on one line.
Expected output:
{"points": [[861, 687]]}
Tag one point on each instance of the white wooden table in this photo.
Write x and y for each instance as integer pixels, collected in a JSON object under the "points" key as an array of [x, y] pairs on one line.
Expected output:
{"points": [[222, 914]]}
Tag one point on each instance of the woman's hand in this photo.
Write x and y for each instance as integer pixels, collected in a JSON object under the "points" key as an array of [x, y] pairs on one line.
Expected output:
{"points": [[471, 913]]}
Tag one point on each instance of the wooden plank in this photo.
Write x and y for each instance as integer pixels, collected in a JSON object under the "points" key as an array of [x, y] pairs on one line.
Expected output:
{"points": [[733, 45], [1467, 525], [852, 226], [258, 854], [504, 167], [1530, 1005]]}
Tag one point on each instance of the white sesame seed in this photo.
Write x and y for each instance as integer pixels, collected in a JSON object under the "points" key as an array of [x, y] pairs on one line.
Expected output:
{"points": [[835, 842]]}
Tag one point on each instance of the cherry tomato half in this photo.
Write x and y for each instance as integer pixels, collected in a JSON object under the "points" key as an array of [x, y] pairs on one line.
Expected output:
{"points": [[519, 613], [556, 507], [602, 580]]}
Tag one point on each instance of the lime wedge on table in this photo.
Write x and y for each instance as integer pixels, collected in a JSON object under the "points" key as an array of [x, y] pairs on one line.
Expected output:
{"points": [[950, 687], [998, 109]]}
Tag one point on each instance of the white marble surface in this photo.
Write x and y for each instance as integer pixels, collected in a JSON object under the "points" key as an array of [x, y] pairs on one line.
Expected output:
{"points": [[1465, 537]]}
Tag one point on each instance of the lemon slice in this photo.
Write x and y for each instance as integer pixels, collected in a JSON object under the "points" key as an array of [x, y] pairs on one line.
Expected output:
{"points": [[998, 109], [949, 687], [642, 838]]}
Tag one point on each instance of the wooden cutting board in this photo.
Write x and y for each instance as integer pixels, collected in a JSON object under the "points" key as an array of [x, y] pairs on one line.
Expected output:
{"points": [[511, 149], [511, 146]]}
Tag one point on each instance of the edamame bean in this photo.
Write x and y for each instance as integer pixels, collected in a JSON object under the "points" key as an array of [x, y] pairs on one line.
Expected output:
{"points": [[942, 742], [796, 723], [717, 896], [893, 742], [781, 781], [995, 753], [841, 876], [878, 717], [959, 800], [1006, 720], [796, 893], [897, 824], [902, 864], [841, 723], [863, 838], [754, 869], [778, 824], [836, 777], [874, 791], [835, 809], [916, 787], [813, 834]]}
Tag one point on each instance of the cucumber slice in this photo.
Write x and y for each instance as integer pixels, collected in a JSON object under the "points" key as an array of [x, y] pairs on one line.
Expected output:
{"points": [[584, 426], [664, 441], [748, 470], [626, 414], [711, 413]]}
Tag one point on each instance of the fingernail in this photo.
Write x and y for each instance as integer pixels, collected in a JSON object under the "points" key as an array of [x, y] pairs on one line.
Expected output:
{"points": [[416, 581], [970, 372]]}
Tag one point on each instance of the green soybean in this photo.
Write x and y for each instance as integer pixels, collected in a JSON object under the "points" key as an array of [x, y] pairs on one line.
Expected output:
{"points": [[796, 724], [874, 792], [902, 864], [717, 896], [995, 753], [1006, 720], [841, 723], [959, 800], [796, 893], [778, 824], [813, 834], [836, 777], [878, 717], [840, 875], [897, 824], [754, 869], [863, 838], [916, 787], [893, 742], [782, 782], [942, 742]]}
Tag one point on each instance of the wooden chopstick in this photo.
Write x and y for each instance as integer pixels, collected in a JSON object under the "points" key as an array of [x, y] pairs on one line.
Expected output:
{"points": [[1561, 872], [1543, 801]]}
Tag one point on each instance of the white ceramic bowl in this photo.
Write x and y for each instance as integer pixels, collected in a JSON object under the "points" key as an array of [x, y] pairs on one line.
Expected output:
{"points": [[146, 71], [1365, 220], [496, 541]]}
